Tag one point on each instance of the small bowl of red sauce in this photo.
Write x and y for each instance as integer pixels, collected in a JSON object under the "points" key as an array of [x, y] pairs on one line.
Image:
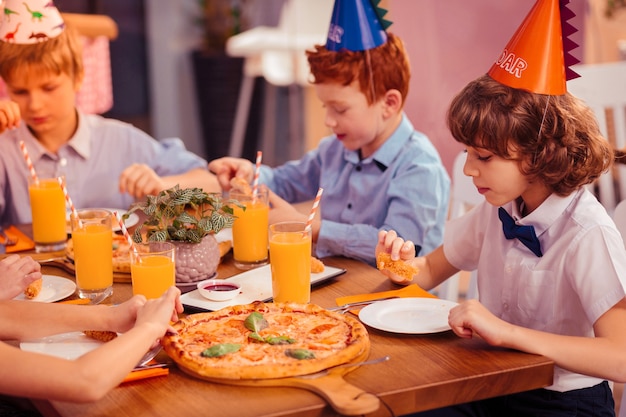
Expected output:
{"points": [[218, 289]]}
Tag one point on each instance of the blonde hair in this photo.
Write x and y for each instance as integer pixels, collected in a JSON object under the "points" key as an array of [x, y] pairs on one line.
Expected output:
{"points": [[556, 139], [58, 55], [377, 70]]}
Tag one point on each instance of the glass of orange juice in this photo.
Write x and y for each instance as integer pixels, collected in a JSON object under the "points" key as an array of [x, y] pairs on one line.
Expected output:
{"points": [[250, 229], [47, 204], [92, 238], [290, 262], [152, 267]]}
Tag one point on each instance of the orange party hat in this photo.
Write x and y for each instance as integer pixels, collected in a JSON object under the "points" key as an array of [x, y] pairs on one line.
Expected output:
{"points": [[537, 57]]}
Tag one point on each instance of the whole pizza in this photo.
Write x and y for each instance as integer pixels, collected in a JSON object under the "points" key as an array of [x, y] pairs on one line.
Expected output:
{"points": [[265, 340]]}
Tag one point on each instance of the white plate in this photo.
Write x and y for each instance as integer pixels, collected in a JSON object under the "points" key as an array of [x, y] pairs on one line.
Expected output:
{"points": [[53, 289], [66, 345], [256, 284], [413, 315], [132, 220]]}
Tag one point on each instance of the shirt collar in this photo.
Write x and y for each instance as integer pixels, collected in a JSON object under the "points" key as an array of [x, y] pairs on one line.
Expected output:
{"points": [[80, 141], [544, 215], [389, 150]]}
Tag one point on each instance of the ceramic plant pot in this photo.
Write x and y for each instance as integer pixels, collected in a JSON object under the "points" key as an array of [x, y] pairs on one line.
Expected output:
{"points": [[196, 261]]}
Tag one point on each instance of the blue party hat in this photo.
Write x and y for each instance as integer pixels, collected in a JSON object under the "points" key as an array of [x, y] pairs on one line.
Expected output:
{"points": [[356, 25]]}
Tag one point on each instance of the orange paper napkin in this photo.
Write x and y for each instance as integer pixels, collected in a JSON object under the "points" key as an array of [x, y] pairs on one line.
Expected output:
{"points": [[23, 241], [412, 290], [145, 373]]}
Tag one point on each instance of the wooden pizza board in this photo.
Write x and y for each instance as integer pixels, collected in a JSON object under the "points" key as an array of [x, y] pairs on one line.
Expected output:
{"points": [[345, 398]]}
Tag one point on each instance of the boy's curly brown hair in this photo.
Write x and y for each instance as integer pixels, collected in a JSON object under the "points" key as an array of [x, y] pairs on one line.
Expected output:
{"points": [[59, 55], [377, 70], [566, 154]]}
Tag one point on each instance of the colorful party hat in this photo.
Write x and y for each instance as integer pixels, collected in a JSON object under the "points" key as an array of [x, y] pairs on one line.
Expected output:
{"points": [[357, 25], [537, 58], [30, 21]]}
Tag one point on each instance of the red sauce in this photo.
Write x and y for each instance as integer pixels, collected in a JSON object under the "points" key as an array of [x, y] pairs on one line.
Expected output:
{"points": [[221, 287]]}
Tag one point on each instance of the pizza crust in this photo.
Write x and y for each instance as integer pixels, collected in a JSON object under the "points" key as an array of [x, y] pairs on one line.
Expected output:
{"points": [[333, 338]]}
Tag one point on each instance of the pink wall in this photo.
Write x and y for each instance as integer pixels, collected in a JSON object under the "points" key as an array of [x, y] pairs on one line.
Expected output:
{"points": [[451, 42]]}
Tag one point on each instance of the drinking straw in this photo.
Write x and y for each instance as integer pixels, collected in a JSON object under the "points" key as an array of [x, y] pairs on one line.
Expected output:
{"points": [[316, 203], [69, 201], [29, 163], [257, 171], [126, 234]]}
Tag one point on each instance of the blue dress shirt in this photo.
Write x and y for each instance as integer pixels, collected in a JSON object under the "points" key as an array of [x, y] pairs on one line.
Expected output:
{"points": [[403, 186]]}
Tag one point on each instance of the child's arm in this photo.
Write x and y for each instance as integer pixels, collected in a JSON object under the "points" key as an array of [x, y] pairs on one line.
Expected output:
{"points": [[17, 273], [600, 356], [91, 376], [434, 268], [228, 167], [139, 180], [9, 115]]}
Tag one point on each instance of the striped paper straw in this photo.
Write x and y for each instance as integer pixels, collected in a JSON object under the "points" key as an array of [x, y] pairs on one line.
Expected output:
{"points": [[125, 232], [316, 203], [69, 201], [29, 163], [257, 171]]}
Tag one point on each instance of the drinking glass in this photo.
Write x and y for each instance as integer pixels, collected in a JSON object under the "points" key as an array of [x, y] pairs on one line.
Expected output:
{"points": [[92, 237], [250, 229], [290, 262], [47, 204], [152, 267]]}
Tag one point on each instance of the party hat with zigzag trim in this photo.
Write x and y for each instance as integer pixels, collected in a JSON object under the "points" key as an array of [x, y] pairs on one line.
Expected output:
{"points": [[357, 25], [537, 58]]}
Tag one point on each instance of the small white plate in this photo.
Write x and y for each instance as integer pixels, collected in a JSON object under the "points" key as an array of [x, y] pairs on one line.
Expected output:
{"points": [[66, 345], [256, 285], [132, 220], [414, 315], [53, 289]]}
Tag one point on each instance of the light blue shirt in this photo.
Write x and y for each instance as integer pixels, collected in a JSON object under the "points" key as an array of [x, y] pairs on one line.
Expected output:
{"points": [[403, 186], [92, 161]]}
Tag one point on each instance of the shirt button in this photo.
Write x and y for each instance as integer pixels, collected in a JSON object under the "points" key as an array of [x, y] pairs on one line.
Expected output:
{"points": [[358, 168], [349, 205], [63, 162], [505, 306]]}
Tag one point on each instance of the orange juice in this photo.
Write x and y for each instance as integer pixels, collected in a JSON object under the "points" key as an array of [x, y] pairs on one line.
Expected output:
{"points": [[290, 262], [93, 256], [47, 204], [250, 230], [153, 275]]}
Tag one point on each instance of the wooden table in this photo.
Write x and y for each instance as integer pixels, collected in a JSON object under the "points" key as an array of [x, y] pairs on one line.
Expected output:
{"points": [[424, 372]]}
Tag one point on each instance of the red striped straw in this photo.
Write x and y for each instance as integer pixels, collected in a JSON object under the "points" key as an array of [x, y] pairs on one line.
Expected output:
{"points": [[69, 201], [125, 233], [316, 203], [257, 171], [29, 163]]}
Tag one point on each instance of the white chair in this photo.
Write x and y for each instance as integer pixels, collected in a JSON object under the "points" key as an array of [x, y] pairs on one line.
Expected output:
{"points": [[278, 55], [603, 88], [463, 197]]}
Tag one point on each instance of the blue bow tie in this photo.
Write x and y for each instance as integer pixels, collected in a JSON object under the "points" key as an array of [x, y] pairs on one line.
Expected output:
{"points": [[525, 234]]}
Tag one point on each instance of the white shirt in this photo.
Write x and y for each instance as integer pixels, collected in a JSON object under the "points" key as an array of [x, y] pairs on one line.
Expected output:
{"points": [[581, 275]]}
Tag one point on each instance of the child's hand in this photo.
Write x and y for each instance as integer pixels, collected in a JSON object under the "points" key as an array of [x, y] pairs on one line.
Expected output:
{"points": [[399, 249], [228, 167], [471, 318], [16, 274], [9, 115], [161, 311], [139, 180]]}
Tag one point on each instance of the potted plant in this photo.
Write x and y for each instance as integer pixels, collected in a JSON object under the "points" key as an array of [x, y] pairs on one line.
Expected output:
{"points": [[189, 218]]}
